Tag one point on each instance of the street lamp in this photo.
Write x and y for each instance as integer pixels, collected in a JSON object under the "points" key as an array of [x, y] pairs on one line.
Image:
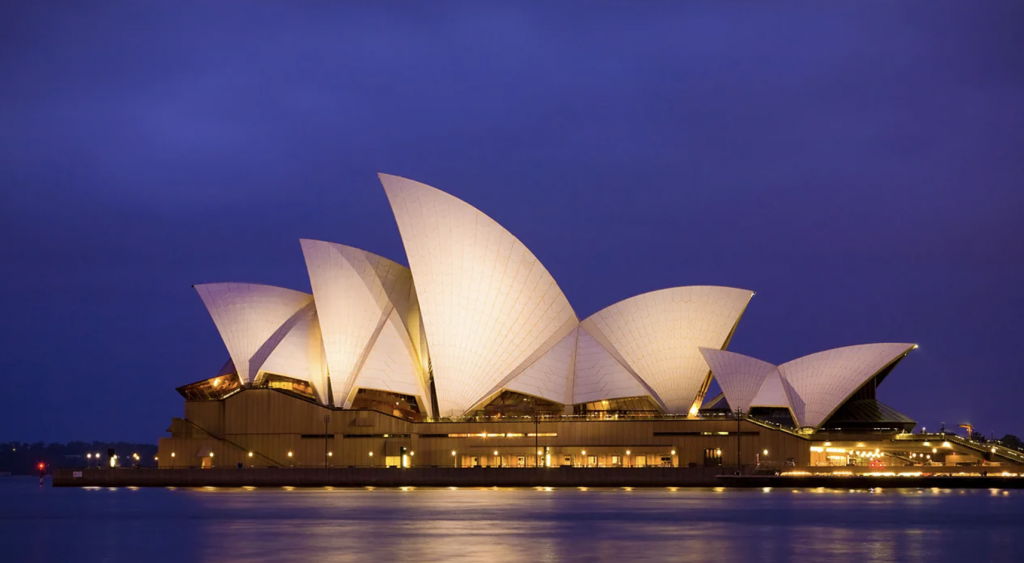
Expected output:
{"points": [[739, 417], [536, 435], [327, 418]]}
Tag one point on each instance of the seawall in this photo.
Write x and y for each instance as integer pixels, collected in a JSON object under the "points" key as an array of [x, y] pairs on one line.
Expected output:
{"points": [[381, 477], [503, 477]]}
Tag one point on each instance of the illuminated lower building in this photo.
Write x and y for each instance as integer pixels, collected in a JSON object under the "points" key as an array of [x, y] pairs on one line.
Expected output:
{"points": [[473, 356]]}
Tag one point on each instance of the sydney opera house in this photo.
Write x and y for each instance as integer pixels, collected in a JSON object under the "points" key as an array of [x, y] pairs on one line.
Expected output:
{"points": [[473, 357]]}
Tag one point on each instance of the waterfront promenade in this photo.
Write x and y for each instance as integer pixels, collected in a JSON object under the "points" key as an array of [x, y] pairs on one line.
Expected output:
{"points": [[942, 477]]}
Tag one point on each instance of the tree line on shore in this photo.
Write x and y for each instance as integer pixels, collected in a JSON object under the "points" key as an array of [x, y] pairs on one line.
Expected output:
{"points": [[23, 458]]}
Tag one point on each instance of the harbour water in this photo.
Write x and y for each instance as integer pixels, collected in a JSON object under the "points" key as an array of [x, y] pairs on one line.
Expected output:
{"points": [[43, 524]]}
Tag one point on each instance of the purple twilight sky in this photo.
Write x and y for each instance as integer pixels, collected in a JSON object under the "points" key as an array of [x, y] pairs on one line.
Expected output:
{"points": [[857, 164]]}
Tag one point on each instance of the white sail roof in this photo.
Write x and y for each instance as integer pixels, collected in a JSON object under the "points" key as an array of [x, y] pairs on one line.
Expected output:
{"points": [[772, 393], [551, 376], [253, 319], [740, 377], [363, 302], [300, 354], [818, 384], [488, 305], [391, 367], [599, 376], [658, 335]]}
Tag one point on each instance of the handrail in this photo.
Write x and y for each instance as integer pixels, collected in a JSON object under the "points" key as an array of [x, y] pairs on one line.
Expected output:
{"points": [[1016, 457], [232, 444]]}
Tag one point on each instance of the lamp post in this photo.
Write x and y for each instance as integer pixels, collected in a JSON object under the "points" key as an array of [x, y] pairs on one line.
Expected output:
{"points": [[739, 417], [536, 437], [327, 418]]}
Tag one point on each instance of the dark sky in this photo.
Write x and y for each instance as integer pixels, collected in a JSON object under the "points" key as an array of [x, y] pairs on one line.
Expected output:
{"points": [[857, 164]]}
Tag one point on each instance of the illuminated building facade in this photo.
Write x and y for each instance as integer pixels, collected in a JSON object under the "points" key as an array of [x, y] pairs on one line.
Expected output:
{"points": [[473, 356]]}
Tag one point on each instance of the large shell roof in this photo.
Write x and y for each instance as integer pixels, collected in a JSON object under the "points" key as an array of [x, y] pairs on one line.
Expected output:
{"points": [[818, 384], [658, 335], [488, 305], [364, 301], [478, 313], [813, 387], [266, 327]]}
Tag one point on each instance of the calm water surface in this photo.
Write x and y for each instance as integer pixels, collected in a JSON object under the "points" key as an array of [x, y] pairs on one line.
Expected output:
{"points": [[42, 524]]}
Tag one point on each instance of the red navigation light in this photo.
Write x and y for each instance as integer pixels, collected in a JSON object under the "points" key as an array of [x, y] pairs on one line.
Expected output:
{"points": [[42, 466]]}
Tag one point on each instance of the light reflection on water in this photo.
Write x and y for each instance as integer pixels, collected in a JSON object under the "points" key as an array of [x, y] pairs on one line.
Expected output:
{"points": [[471, 524]]}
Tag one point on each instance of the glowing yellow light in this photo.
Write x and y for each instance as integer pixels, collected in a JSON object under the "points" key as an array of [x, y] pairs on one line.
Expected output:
{"points": [[584, 452], [993, 449], [211, 454], [766, 452], [946, 445], [412, 453], [927, 445], [935, 451], [694, 410], [371, 455], [673, 452], [172, 454], [250, 454], [627, 452], [495, 452], [289, 454], [216, 382], [827, 444], [330, 454], [453, 452]]}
